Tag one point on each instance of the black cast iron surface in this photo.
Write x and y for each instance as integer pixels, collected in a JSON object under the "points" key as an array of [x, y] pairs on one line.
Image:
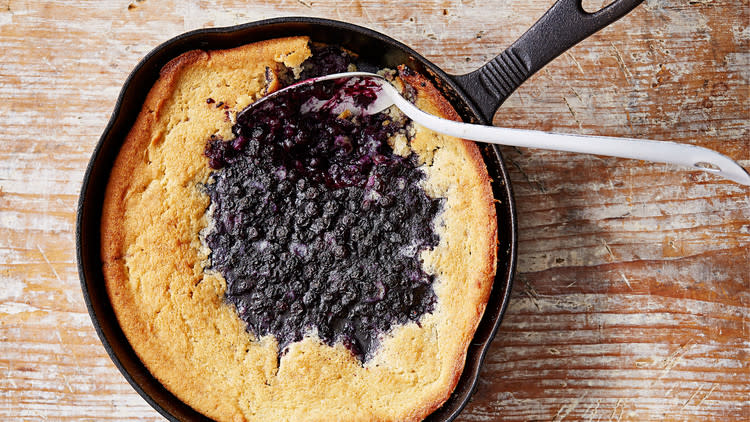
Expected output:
{"points": [[475, 96], [373, 47]]}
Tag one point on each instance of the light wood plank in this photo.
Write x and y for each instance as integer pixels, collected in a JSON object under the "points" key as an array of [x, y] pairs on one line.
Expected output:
{"points": [[632, 298]]}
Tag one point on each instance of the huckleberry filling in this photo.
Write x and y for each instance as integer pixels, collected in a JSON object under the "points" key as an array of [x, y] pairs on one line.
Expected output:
{"points": [[326, 60], [317, 226]]}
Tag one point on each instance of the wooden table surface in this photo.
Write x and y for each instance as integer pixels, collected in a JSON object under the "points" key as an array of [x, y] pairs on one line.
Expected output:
{"points": [[632, 297]]}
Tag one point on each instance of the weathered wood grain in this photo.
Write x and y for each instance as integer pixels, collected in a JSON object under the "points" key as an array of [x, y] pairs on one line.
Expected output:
{"points": [[632, 300]]}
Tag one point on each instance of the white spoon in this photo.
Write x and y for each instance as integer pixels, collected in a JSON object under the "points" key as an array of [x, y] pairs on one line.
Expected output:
{"points": [[657, 151]]}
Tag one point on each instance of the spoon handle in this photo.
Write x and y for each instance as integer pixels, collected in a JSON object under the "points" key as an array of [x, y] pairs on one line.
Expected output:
{"points": [[657, 151]]}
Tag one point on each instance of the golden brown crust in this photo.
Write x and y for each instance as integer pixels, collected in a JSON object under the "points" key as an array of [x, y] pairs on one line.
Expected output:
{"points": [[172, 310], [431, 100]]}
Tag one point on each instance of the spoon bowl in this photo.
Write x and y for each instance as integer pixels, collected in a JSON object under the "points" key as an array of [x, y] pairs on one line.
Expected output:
{"points": [[369, 93]]}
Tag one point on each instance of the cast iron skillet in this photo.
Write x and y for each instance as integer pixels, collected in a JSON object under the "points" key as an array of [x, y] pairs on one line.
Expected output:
{"points": [[476, 96]]}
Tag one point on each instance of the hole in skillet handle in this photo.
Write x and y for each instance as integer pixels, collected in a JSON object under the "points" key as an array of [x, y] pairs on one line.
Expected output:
{"points": [[593, 6]]}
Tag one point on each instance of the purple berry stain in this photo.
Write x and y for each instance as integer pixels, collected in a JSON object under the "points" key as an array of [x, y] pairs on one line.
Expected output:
{"points": [[318, 225]]}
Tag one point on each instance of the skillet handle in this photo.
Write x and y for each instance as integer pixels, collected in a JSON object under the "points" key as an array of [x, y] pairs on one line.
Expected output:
{"points": [[563, 26]]}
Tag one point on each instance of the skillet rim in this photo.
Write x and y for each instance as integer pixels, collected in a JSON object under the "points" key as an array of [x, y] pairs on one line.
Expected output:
{"points": [[106, 149]]}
